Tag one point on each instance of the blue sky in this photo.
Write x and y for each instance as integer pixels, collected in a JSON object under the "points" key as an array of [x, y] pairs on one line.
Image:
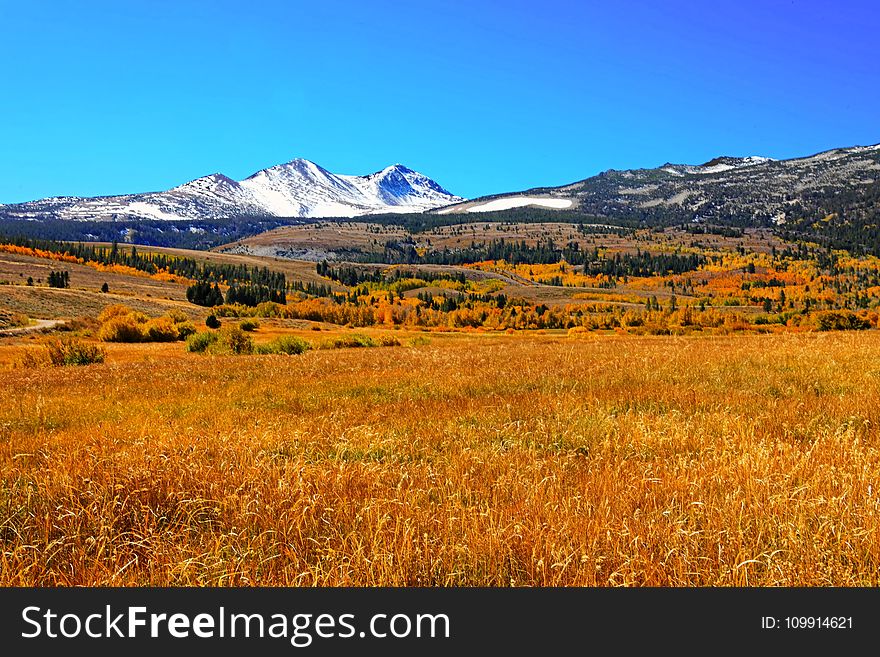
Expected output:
{"points": [[484, 96]]}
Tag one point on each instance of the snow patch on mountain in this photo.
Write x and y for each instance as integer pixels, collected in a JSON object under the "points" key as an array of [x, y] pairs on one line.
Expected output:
{"points": [[522, 201], [148, 211]]}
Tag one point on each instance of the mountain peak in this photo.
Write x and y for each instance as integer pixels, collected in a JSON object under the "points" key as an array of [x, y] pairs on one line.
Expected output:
{"points": [[298, 164], [298, 188], [211, 183], [396, 183]]}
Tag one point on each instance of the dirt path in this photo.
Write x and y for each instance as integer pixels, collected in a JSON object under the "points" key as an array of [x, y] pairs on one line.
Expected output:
{"points": [[40, 325]]}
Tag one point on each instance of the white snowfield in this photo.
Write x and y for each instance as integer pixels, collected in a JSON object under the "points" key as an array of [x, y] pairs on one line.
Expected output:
{"points": [[521, 201]]}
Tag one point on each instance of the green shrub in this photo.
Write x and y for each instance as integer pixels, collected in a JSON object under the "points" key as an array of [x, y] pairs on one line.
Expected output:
{"points": [[286, 344], [185, 329], [344, 341], [200, 341], [271, 309], [234, 310], [235, 340], [249, 325], [177, 316]]}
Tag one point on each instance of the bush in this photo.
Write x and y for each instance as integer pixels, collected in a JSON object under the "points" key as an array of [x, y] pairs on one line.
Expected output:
{"points": [[185, 329], [32, 358], [121, 329], [236, 340], [177, 316], [343, 341], [249, 325], [161, 329], [233, 310], [199, 342], [359, 340], [212, 322], [389, 341], [841, 320], [271, 309], [122, 324], [71, 351], [286, 344], [116, 310]]}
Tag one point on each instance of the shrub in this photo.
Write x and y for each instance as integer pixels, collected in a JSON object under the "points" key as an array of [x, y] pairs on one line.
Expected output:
{"points": [[236, 340], [840, 320], [115, 310], [343, 341], [360, 340], [233, 310], [249, 325], [71, 351], [271, 309], [389, 341], [32, 358], [161, 329], [200, 341], [212, 322], [286, 344], [177, 316], [419, 340], [121, 329], [185, 329]]}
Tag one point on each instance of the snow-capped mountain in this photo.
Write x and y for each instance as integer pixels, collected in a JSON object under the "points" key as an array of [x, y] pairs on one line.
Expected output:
{"points": [[299, 188], [728, 190]]}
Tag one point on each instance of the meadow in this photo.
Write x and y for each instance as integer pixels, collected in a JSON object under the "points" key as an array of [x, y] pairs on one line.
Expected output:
{"points": [[457, 459]]}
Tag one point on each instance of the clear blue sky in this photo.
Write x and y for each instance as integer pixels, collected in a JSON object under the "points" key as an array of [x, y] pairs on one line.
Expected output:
{"points": [[105, 97]]}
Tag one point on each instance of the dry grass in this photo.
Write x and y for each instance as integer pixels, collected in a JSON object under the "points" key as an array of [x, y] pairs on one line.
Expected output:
{"points": [[474, 460]]}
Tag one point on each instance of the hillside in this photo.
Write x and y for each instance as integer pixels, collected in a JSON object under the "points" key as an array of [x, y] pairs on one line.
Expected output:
{"points": [[831, 197], [749, 191]]}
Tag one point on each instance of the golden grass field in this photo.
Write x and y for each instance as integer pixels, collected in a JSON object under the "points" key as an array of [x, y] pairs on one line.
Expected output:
{"points": [[472, 460]]}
